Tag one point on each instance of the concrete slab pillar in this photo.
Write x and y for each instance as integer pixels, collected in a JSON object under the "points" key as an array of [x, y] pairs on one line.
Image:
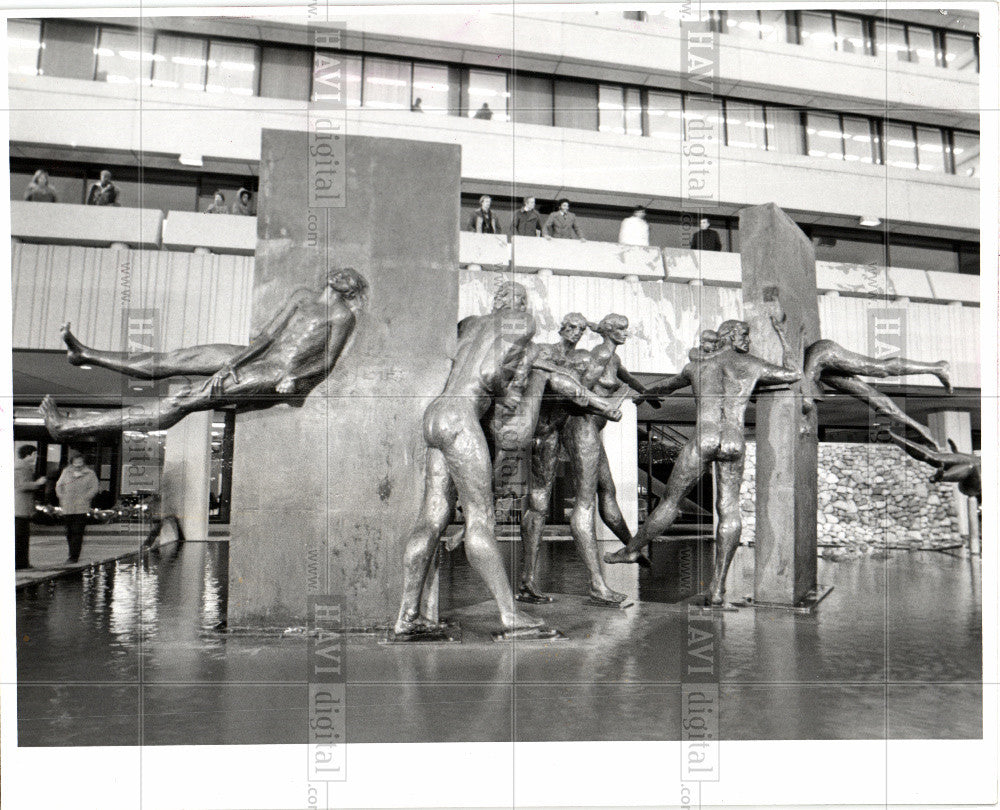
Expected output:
{"points": [[187, 467], [779, 276], [324, 495], [957, 426]]}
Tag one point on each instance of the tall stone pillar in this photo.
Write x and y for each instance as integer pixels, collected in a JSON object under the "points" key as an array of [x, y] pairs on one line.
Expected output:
{"points": [[779, 276], [187, 470], [325, 494], [957, 426]]}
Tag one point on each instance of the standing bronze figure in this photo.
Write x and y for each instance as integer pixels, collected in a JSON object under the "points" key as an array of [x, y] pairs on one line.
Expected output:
{"points": [[723, 379], [492, 363], [291, 356]]}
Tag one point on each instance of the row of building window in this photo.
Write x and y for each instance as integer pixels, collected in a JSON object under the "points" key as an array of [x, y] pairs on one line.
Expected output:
{"points": [[132, 56], [846, 33]]}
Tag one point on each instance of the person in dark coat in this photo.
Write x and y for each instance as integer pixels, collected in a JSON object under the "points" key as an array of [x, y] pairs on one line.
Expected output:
{"points": [[25, 485], [242, 204], [705, 238], [483, 220], [526, 220], [104, 192]]}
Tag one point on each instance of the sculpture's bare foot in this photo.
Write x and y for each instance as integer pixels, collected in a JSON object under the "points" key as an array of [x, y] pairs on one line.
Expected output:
{"points": [[527, 593], [603, 594], [943, 373], [53, 419], [520, 621], [75, 350], [717, 598], [623, 555], [407, 624]]}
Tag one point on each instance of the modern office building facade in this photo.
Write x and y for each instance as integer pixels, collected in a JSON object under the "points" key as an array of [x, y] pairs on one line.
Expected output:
{"points": [[863, 127]]}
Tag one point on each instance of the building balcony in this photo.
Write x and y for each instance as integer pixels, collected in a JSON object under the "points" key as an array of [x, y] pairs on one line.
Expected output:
{"points": [[586, 165]]}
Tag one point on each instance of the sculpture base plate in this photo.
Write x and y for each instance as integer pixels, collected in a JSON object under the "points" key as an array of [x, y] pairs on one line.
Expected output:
{"points": [[444, 633], [608, 605], [725, 607], [530, 634], [807, 604], [528, 599]]}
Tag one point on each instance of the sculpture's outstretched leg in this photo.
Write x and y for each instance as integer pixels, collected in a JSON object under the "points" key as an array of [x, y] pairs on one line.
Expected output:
{"points": [[878, 402], [150, 415], [689, 467], [607, 501], [195, 361]]}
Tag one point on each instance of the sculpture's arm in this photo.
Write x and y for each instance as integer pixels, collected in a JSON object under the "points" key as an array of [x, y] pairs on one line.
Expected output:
{"points": [[770, 374], [667, 385], [786, 350]]}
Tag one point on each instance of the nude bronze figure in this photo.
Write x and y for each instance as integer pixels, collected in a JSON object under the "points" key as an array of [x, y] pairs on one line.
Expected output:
{"points": [[723, 380], [965, 469], [291, 356], [829, 363], [492, 364]]}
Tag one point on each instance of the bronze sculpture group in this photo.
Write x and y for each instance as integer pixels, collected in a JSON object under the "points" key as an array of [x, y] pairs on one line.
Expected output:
{"points": [[537, 398]]}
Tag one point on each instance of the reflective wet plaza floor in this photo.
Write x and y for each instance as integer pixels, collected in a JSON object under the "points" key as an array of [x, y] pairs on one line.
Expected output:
{"points": [[126, 653]]}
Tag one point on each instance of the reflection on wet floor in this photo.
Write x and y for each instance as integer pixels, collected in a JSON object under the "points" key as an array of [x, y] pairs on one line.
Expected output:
{"points": [[895, 651]]}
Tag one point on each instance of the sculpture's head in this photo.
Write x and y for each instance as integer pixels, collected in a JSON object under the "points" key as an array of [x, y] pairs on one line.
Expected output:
{"points": [[708, 340], [348, 282], [736, 334], [614, 327], [572, 328], [510, 295]]}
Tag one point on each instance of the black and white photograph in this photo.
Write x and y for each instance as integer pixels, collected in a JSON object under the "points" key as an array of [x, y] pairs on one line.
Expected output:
{"points": [[503, 405]]}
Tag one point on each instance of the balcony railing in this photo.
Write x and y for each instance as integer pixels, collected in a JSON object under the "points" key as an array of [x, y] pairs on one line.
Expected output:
{"points": [[184, 231]]}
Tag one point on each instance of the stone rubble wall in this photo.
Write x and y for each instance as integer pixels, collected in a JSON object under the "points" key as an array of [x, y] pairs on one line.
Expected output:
{"points": [[870, 495]]}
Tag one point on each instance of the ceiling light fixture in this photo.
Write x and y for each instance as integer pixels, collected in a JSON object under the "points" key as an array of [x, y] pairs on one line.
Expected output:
{"points": [[870, 222]]}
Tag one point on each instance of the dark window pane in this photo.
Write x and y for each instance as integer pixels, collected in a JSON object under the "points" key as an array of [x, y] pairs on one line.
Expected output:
{"points": [[850, 35], [966, 153], [924, 258], [857, 139], [232, 68], [24, 40], [968, 260], [532, 100], [124, 56], [960, 52], [68, 49], [486, 95], [784, 130], [922, 48], [816, 30], [575, 105], [823, 136], [179, 62], [431, 86], [744, 125], [930, 150], [851, 250], [284, 73]]}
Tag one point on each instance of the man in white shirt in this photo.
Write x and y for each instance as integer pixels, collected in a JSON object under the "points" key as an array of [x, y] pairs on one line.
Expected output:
{"points": [[635, 229]]}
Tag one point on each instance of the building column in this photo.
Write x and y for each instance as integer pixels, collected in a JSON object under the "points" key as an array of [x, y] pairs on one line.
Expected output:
{"points": [[957, 426], [187, 465]]}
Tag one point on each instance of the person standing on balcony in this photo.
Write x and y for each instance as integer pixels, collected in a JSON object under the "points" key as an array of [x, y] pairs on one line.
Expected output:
{"points": [[526, 221], [103, 192], [484, 113], [218, 205], [635, 229], [561, 224], [483, 220], [242, 204], [76, 488], [416, 105], [39, 189], [705, 238], [25, 485]]}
